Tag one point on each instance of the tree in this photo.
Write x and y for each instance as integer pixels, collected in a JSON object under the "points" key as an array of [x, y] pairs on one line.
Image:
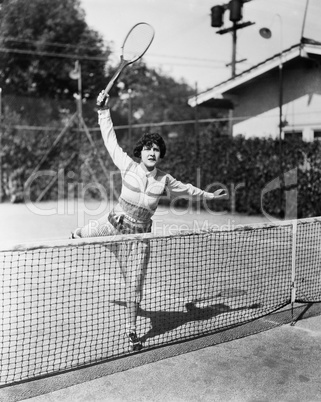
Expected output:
{"points": [[155, 97], [42, 39]]}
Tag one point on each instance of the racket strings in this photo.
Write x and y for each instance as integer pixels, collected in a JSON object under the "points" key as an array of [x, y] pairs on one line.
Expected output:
{"points": [[137, 42]]}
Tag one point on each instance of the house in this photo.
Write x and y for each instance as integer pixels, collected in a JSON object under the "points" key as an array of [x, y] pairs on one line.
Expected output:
{"points": [[254, 97]]}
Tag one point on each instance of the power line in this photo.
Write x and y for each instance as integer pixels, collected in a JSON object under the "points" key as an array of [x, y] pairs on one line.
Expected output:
{"points": [[57, 44], [39, 42], [52, 54], [83, 57], [188, 65], [185, 58]]}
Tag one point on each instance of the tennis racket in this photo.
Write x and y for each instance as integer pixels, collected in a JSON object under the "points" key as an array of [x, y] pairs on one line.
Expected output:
{"points": [[135, 45]]}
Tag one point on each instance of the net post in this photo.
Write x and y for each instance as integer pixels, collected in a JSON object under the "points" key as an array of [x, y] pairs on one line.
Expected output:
{"points": [[293, 284]]}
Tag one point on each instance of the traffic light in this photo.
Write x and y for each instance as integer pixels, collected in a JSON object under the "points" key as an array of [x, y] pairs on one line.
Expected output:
{"points": [[217, 13], [235, 7]]}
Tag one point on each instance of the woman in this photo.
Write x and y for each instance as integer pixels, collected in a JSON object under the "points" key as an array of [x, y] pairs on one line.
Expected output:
{"points": [[142, 186]]}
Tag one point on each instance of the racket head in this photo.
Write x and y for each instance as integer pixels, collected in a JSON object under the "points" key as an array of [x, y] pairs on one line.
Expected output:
{"points": [[135, 45], [137, 42]]}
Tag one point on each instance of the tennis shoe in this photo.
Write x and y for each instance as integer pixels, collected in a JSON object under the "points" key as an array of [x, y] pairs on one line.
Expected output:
{"points": [[76, 234], [136, 343]]}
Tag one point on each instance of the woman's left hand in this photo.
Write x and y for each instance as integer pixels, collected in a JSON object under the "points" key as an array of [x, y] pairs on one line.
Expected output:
{"points": [[220, 193]]}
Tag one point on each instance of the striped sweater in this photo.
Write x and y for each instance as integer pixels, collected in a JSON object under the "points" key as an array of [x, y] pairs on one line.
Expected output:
{"points": [[141, 189]]}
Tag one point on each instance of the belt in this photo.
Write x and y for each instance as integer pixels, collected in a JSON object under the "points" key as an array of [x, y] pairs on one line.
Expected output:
{"points": [[133, 220], [127, 225]]}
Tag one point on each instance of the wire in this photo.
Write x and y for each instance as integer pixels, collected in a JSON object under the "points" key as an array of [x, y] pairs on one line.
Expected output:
{"points": [[82, 57], [52, 54], [34, 42], [39, 42], [188, 65], [185, 58]]}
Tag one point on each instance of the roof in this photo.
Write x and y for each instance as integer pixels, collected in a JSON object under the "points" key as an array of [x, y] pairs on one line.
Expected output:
{"points": [[303, 49]]}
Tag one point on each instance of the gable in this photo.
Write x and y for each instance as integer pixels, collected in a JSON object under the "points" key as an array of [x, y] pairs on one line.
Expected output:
{"points": [[219, 96]]}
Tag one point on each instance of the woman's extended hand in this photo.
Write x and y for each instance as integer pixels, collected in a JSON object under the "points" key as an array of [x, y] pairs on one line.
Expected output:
{"points": [[220, 193], [103, 100]]}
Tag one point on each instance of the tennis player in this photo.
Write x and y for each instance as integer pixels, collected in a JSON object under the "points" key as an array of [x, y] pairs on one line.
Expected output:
{"points": [[142, 186]]}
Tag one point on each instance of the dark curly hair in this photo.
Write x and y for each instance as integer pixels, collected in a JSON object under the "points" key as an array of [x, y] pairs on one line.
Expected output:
{"points": [[148, 140]]}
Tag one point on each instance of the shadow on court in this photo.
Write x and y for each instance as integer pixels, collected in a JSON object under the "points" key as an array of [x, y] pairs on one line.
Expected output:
{"points": [[166, 321], [262, 360]]}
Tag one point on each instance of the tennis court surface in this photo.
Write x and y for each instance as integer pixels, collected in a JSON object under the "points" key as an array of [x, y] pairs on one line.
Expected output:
{"points": [[281, 364], [64, 305]]}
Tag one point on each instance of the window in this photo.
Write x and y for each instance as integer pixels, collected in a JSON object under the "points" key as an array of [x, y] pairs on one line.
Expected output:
{"points": [[317, 134], [292, 135]]}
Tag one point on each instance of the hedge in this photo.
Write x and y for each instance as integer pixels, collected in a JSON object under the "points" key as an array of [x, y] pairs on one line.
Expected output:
{"points": [[248, 165]]}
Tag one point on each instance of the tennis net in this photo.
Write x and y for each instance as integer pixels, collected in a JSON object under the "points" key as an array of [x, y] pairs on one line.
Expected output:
{"points": [[63, 305]]}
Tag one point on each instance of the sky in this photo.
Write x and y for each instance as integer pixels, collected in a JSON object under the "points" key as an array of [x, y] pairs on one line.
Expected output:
{"points": [[188, 49]]}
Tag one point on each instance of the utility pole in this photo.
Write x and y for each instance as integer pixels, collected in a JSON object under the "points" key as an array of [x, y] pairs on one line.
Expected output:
{"points": [[1, 188], [235, 7], [130, 118], [75, 74]]}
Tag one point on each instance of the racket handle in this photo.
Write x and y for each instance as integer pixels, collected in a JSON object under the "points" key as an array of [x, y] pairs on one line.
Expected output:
{"points": [[102, 102], [110, 85], [107, 89], [112, 81]]}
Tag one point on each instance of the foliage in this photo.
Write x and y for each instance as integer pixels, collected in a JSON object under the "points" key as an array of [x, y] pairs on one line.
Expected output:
{"points": [[246, 167], [153, 98], [49, 30]]}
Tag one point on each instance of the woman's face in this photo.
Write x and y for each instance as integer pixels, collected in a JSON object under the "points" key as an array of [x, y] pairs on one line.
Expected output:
{"points": [[150, 156]]}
